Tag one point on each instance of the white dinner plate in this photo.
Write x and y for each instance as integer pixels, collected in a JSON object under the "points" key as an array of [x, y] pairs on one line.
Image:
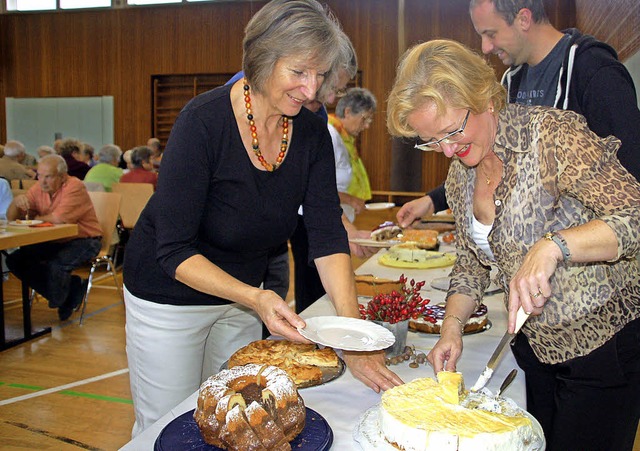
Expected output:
{"points": [[25, 222], [368, 433], [349, 334], [379, 205], [373, 243]]}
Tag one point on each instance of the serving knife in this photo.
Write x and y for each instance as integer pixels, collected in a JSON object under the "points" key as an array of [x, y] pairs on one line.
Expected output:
{"points": [[521, 317]]}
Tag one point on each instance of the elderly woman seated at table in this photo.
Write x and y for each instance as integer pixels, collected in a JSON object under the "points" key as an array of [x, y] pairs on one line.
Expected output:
{"points": [[106, 171], [142, 168], [543, 199]]}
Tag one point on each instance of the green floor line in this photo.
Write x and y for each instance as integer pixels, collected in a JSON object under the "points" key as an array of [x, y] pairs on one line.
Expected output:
{"points": [[71, 393], [100, 397], [26, 387]]}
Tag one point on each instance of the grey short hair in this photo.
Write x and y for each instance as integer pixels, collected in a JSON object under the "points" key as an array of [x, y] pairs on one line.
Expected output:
{"points": [[109, 153], [61, 165], [358, 100], [347, 63], [509, 9], [47, 149], [139, 155], [13, 148], [284, 28]]}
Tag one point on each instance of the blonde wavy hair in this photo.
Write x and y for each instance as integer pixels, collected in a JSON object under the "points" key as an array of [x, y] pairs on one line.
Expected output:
{"points": [[444, 73]]}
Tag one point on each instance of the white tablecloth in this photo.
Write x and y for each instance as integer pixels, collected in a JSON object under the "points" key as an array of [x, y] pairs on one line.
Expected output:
{"points": [[343, 401]]}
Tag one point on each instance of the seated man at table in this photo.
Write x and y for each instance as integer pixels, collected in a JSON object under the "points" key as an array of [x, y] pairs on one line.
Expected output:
{"points": [[46, 267]]}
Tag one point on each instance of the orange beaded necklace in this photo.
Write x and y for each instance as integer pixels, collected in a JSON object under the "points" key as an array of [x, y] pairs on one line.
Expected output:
{"points": [[254, 134]]}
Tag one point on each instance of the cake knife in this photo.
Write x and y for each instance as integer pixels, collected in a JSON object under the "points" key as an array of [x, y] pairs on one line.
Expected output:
{"points": [[521, 317]]}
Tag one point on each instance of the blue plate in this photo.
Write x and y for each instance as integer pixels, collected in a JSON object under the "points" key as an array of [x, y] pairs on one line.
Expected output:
{"points": [[183, 434]]}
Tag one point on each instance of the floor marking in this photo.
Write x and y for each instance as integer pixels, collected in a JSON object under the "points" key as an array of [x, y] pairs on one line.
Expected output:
{"points": [[63, 387], [66, 440]]}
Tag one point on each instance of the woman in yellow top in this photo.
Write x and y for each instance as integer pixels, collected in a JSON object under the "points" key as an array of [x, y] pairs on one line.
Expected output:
{"points": [[354, 113]]}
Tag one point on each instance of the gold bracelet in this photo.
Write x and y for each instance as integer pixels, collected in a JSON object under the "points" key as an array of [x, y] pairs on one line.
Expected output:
{"points": [[457, 319]]}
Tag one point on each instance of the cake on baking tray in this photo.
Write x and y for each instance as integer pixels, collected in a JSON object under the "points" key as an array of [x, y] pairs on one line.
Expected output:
{"points": [[370, 285], [250, 407], [303, 362], [431, 320], [429, 415], [422, 238]]}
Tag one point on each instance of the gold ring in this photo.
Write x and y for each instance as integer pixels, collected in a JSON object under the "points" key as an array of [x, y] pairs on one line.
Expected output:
{"points": [[537, 295]]}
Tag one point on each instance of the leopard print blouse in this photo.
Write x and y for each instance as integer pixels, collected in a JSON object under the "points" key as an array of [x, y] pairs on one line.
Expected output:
{"points": [[557, 174]]}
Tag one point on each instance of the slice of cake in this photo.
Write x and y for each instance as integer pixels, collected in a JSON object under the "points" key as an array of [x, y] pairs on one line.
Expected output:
{"points": [[386, 231], [429, 415]]}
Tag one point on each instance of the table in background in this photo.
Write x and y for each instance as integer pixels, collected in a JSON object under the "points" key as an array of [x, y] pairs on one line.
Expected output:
{"points": [[343, 401], [17, 236]]}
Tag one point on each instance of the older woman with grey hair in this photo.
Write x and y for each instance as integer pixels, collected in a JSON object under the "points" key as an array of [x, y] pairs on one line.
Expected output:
{"points": [[141, 167], [354, 113], [240, 161], [106, 171]]}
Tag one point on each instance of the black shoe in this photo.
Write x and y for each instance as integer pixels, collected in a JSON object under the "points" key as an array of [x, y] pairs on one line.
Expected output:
{"points": [[74, 300]]}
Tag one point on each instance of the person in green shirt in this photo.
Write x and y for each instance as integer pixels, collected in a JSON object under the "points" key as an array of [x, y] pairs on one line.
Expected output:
{"points": [[106, 171]]}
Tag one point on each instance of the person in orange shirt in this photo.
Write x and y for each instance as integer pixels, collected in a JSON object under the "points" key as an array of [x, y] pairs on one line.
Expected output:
{"points": [[46, 267]]}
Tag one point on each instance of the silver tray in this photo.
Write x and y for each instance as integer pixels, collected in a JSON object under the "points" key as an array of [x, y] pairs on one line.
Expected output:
{"points": [[328, 374]]}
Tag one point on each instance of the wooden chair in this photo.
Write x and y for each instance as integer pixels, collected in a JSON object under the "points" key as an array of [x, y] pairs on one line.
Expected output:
{"points": [[134, 198], [94, 186], [17, 191], [27, 183], [106, 206]]}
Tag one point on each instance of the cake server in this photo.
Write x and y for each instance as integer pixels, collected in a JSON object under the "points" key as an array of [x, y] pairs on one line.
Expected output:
{"points": [[521, 317]]}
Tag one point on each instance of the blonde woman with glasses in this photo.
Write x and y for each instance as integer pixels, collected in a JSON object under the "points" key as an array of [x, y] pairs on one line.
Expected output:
{"points": [[544, 200]]}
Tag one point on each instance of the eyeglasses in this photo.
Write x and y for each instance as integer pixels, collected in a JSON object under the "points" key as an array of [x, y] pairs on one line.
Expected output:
{"points": [[449, 138], [367, 118], [340, 92]]}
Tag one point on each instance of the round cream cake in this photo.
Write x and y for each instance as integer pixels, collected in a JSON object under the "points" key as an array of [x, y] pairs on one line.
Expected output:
{"points": [[429, 415], [431, 319]]}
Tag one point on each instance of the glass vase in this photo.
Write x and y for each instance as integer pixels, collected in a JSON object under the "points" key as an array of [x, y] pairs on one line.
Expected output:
{"points": [[400, 330]]}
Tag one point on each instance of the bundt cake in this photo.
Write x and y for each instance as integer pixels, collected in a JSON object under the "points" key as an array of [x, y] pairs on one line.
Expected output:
{"points": [[250, 407]]}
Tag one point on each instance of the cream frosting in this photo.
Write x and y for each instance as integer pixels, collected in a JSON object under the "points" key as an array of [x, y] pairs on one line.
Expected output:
{"points": [[425, 415]]}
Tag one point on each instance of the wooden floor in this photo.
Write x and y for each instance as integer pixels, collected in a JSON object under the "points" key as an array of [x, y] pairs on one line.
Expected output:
{"points": [[70, 390]]}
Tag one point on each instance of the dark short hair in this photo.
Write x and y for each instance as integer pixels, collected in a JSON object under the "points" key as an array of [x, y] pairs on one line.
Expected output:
{"points": [[69, 146], [509, 9]]}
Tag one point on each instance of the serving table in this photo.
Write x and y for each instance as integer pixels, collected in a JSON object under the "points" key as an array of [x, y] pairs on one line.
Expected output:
{"points": [[343, 401], [17, 236]]}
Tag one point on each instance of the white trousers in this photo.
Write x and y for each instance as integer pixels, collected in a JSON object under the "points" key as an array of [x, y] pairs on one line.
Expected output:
{"points": [[172, 349]]}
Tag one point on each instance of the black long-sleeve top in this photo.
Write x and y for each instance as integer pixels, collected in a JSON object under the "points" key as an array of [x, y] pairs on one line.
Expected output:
{"points": [[211, 200]]}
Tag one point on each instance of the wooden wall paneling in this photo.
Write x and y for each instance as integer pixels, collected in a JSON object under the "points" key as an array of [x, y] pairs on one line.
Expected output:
{"points": [[616, 22], [115, 52], [372, 27]]}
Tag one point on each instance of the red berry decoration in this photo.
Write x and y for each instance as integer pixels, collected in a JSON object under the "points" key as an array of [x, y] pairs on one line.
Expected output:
{"points": [[395, 307]]}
